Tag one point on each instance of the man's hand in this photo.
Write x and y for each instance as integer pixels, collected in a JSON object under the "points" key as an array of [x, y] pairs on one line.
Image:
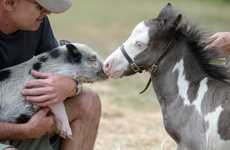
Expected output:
{"points": [[39, 124], [48, 88], [221, 41]]}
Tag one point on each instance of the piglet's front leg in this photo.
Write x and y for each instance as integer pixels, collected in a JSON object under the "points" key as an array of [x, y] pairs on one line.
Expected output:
{"points": [[61, 120]]}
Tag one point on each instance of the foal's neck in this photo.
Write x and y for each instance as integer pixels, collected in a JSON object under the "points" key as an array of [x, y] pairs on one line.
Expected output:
{"points": [[179, 64]]}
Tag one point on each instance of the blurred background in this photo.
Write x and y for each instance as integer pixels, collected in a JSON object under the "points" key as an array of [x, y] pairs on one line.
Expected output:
{"points": [[130, 121]]}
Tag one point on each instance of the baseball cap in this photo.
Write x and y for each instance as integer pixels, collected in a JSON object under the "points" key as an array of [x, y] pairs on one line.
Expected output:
{"points": [[55, 6]]}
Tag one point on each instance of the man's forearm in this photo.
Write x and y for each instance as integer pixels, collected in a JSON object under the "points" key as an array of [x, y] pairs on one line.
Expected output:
{"points": [[10, 131]]}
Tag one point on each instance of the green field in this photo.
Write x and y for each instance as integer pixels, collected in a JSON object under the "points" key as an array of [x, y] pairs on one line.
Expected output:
{"points": [[130, 121]]}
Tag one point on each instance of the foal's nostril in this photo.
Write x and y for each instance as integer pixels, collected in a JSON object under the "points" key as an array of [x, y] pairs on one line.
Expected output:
{"points": [[106, 67]]}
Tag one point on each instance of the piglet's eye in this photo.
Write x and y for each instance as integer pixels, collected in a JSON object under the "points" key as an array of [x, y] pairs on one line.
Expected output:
{"points": [[140, 45], [92, 58]]}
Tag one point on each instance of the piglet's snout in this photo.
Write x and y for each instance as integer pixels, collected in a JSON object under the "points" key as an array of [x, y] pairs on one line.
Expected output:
{"points": [[101, 74]]}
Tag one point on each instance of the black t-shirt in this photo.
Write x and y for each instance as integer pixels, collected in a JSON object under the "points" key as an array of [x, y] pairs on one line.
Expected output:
{"points": [[23, 45]]}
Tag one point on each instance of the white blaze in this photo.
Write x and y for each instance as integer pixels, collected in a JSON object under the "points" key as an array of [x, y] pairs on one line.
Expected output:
{"points": [[139, 34], [116, 63]]}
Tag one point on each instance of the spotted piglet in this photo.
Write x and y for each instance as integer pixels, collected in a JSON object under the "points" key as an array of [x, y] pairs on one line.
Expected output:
{"points": [[75, 60]]}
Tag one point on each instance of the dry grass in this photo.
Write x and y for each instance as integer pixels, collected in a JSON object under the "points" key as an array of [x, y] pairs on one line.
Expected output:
{"points": [[128, 130]]}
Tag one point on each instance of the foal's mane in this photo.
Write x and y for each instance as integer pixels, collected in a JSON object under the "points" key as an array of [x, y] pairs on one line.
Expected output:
{"points": [[197, 45]]}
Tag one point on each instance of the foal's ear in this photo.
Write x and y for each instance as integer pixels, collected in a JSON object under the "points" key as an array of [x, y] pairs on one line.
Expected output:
{"points": [[166, 12], [169, 17], [177, 20]]}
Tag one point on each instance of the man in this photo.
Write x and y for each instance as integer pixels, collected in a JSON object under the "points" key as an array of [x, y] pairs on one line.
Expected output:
{"points": [[221, 40], [24, 32]]}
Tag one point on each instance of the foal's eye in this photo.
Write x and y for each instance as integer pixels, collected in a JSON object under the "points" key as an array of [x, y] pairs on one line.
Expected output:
{"points": [[140, 44]]}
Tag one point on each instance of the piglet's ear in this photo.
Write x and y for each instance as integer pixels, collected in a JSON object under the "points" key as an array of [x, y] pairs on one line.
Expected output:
{"points": [[71, 47], [73, 50], [74, 54]]}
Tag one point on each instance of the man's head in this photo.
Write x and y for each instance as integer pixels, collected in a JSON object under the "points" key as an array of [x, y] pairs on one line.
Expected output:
{"points": [[28, 14], [55, 6]]}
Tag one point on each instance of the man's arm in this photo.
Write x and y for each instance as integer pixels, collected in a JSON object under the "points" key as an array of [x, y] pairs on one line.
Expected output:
{"points": [[11, 131], [221, 41], [37, 126]]}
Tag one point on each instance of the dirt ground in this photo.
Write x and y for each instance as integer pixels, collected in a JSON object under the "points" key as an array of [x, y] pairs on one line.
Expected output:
{"points": [[127, 130], [122, 128]]}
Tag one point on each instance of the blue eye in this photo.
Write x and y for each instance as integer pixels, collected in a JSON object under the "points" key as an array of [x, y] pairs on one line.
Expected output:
{"points": [[140, 44]]}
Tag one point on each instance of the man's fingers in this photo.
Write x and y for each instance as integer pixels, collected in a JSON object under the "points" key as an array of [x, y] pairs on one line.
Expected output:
{"points": [[46, 103], [40, 99], [40, 81], [51, 124], [11, 149], [43, 112], [40, 75], [210, 40], [36, 83], [50, 120], [36, 91], [214, 44], [214, 36]]}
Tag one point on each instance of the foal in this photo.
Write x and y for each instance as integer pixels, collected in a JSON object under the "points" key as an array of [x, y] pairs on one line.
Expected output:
{"points": [[193, 94]]}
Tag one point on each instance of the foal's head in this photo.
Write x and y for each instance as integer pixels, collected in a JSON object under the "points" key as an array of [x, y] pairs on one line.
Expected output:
{"points": [[145, 45]]}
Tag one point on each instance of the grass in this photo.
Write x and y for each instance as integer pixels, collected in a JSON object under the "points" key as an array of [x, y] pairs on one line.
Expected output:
{"points": [[130, 121]]}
